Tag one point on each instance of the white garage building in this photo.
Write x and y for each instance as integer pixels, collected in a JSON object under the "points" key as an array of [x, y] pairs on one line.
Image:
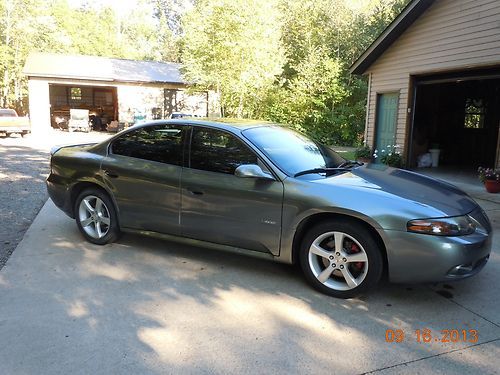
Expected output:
{"points": [[114, 89]]}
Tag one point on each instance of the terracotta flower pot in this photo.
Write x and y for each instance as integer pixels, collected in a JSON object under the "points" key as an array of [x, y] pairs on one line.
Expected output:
{"points": [[365, 160], [492, 186]]}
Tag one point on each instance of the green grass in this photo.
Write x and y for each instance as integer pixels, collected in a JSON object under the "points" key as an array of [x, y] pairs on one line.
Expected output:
{"points": [[349, 155]]}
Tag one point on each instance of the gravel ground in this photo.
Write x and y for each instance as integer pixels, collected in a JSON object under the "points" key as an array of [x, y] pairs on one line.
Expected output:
{"points": [[24, 165]]}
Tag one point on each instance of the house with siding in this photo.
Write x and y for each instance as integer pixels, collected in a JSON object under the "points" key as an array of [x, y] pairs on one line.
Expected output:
{"points": [[434, 82]]}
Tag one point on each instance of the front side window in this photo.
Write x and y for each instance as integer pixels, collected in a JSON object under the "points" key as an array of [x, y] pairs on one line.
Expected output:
{"points": [[217, 151], [160, 143]]}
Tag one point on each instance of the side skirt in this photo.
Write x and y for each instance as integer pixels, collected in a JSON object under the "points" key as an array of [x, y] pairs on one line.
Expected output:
{"points": [[204, 244]]}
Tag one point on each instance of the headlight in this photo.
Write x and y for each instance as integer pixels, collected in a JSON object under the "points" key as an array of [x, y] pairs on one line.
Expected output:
{"points": [[448, 226]]}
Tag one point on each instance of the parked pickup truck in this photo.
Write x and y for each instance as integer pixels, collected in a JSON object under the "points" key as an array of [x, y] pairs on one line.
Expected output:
{"points": [[11, 123]]}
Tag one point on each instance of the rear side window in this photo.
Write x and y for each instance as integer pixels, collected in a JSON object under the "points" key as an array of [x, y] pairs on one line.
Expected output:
{"points": [[160, 143], [217, 151]]}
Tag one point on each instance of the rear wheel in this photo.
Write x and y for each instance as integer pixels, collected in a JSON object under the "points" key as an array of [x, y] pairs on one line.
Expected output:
{"points": [[341, 258], [96, 217]]}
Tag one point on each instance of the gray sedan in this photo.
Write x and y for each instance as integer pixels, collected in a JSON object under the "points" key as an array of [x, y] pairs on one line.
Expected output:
{"points": [[263, 189]]}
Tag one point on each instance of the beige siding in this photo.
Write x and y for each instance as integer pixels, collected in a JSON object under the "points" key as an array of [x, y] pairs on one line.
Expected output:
{"points": [[450, 35]]}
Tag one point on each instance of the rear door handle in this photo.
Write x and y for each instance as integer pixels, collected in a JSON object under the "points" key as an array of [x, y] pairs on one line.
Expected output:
{"points": [[194, 192], [110, 174]]}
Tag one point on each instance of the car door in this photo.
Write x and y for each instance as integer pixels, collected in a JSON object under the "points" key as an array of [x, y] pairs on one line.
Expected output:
{"points": [[143, 169], [218, 206]]}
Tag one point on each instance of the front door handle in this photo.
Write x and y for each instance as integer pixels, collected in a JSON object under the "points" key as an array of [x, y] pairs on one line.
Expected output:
{"points": [[194, 192], [110, 174]]}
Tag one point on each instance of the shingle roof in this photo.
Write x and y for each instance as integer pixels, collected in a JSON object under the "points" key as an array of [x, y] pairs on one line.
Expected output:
{"points": [[101, 69], [392, 32]]}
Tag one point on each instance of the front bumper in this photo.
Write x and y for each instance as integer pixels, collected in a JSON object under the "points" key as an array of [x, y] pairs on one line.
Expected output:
{"points": [[418, 258]]}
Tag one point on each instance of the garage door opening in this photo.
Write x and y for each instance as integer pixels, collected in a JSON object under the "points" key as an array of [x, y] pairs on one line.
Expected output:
{"points": [[100, 102], [458, 115]]}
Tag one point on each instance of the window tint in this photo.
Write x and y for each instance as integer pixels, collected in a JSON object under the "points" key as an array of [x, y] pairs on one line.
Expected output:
{"points": [[217, 151], [161, 143]]}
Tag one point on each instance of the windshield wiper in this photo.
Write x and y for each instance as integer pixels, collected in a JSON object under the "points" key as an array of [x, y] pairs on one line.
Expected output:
{"points": [[349, 163], [321, 170]]}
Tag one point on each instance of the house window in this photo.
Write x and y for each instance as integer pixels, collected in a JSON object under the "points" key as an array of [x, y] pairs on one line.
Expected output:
{"points": [[76, 93], [474, 114]]}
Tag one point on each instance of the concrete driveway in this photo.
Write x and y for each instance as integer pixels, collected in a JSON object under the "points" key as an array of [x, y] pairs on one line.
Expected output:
{"points": [[148, 306]]}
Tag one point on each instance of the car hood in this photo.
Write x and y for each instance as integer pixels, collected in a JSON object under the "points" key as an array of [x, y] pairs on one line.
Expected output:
{"points": [[406, 185]]}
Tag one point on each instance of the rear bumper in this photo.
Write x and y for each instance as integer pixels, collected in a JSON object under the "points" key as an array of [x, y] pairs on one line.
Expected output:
{"points": [[416, 258], [14, 129], [60, 195]]}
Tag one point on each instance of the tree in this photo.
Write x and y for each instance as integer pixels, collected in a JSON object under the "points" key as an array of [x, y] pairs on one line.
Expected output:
{"points": [[233, 47], [321, 39], [25, 25], [282, 60], [54, 26]]}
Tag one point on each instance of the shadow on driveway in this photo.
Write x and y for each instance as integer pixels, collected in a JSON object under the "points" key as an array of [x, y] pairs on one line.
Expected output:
{"points": [[148, 306], [22, 193]]}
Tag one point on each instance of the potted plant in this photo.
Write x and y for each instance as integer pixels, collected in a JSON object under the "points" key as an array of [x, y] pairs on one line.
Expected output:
{"points": [[363, 154], [390, 156], [491, 179]]}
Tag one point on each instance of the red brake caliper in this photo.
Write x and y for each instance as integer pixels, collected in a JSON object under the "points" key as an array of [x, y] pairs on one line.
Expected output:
{"points": [[355, 249]]}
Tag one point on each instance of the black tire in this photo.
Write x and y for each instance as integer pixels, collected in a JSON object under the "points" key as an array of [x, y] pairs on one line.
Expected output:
{"points": [[99, 226], [360, 259]]}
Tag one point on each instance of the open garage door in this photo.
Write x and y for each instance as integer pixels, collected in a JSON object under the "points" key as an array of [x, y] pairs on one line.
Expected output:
{"points": [[458, 114], [101, 102]]}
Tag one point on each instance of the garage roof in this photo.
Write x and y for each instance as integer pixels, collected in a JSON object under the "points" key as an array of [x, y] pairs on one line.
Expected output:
{"points": [[101, 69], [403, 21]]}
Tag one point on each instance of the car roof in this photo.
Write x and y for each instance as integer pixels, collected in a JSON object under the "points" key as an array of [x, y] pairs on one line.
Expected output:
{"points": [[221, 123]]}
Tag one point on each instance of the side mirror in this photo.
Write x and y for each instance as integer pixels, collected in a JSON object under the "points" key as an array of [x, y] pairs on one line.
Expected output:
{"points": [[252, 171]]}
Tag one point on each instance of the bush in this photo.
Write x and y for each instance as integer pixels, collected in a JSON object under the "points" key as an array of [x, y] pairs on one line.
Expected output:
{"points": [[364, 152], [390, 156]]}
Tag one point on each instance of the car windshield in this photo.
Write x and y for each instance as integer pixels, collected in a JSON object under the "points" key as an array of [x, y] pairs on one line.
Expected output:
{"points": [[292, 152]]}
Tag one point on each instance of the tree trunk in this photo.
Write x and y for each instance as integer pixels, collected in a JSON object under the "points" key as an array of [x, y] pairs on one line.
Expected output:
{"points": [[9, 5], [240, 106]]}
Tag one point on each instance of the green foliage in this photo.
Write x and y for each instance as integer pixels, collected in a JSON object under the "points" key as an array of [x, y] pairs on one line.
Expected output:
{"points": [[233, 47], [316, 92], [390, 156], [364, 152], [281, 60], [55, 26]]}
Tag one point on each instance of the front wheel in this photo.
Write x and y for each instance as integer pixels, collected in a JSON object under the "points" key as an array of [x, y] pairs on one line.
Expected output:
{"points": [[341, 258], [96, 217]]}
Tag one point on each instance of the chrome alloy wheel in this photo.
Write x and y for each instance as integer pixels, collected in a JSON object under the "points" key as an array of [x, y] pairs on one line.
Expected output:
{"points": [[94, 216], [338, 261]]}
